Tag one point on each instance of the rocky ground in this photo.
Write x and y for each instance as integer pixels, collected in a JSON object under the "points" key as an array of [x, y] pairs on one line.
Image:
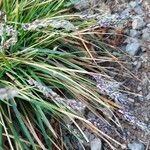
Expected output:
{"points": [[133, 18]]}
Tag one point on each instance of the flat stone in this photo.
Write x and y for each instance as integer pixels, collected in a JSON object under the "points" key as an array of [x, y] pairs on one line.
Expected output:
{"points": [[136, 146], [96, 144], [133, 48]]}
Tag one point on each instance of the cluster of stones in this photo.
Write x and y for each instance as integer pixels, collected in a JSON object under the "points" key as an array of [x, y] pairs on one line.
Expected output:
{"points": [[139, 33]]}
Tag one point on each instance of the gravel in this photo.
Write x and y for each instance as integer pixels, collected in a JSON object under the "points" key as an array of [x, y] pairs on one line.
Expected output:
{"points": [[139, 30]]}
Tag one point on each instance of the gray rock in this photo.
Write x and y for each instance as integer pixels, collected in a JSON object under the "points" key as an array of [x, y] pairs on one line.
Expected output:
{"points": [[146, 36], [133, 48], [89, 135], [125, 13], [131, 100], [91, 115], [82, 4], [96, 144], [145, 30], [148, 25], [130, 40], [134, 33], [107, 112], [137, 65], [138, 23], [139, 1], [138, 10], [127, 40], [85, 4], [148, 97], [136, 146], [133, 4]]}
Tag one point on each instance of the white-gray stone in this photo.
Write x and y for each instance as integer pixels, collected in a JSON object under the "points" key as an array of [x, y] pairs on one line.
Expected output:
{"points": [[133, 48], [96, 144], [138, 23], [136, 146]]}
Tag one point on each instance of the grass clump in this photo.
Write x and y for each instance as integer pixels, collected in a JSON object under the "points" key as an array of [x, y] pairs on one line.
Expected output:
{"points": [[45, 59]]}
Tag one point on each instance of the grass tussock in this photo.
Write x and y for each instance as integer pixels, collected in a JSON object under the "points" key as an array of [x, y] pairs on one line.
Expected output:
{"points": [[46, 58]]}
